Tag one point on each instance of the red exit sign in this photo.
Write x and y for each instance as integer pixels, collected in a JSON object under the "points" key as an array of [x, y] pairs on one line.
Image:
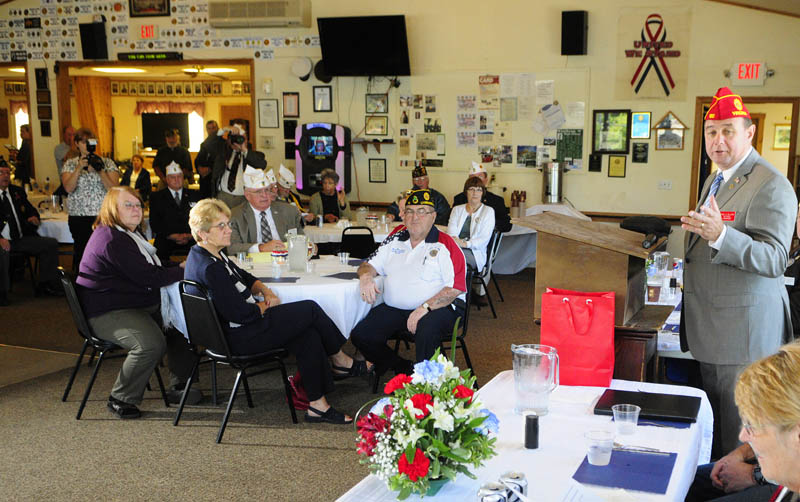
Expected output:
{"points": [[148, 32], [749, 73]]}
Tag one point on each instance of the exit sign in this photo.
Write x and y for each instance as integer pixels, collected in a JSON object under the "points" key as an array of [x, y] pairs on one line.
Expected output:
{"points": [[148, 32], [749, 73]]}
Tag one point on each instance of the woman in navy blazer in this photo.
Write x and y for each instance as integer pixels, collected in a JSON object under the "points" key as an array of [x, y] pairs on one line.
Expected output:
{"points": [[142, 183], [254, 326]]}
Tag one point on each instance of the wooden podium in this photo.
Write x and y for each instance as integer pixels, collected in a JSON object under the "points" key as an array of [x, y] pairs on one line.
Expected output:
{"points": [[588, 256]]}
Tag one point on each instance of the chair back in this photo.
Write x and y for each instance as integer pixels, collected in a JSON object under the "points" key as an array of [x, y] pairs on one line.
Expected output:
{"points": [[465, 320], [358, 241], [202, 323], [75, 306], [491, 251]]}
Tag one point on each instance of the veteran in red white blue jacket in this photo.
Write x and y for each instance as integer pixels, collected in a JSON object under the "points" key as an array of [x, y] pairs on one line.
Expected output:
{"points": [[424, 287]]}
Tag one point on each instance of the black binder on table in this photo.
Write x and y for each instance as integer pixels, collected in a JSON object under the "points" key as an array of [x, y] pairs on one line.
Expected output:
{"points": [[654, 406]]}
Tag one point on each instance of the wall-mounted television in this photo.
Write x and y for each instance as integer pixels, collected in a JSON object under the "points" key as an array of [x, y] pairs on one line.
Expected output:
{"points": [[155, 124], [364, 46]]}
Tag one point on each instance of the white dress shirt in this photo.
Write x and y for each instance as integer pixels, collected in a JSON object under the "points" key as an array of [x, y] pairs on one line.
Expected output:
{"points": [[6, 232], [272, 228]]}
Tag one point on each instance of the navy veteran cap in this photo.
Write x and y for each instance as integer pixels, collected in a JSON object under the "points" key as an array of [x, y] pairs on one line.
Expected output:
{"points": [[420, 198], [419, 171]]}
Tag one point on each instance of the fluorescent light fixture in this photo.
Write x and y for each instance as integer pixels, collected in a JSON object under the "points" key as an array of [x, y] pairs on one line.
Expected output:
{"points": [[119, 70], [17, 70], [210, 70]]}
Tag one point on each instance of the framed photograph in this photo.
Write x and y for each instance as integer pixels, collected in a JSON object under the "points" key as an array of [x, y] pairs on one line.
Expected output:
{"points": [[187, 89], [377, 170], [640, 125], [148, 8], [169, 89], [377, 103], [133, 90], [216, 88], [151, 88], [114, 89], [268, 113], [142, 88], [236, 87], [783, 137], [44, 127], [160, 89], [45, 112], [207, 89], [43, 97], [616, 166], [376, 126], [179, 89], [9, 88], [640, 153], [246, 88], [611, 131], [123, 88], [291, 104], [198, 89], [323, 98], [669, 139], [18, 88]]}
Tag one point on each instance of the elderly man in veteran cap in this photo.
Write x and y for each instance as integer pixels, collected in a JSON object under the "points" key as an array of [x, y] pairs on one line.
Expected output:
{"points": [[260, 225], [286, 181], [423, 288], [420, 180], [735, 305], [169, 215]]}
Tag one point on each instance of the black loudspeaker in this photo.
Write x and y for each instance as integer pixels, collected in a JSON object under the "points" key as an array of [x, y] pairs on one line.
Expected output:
{"points": [[93, 41], [574, 30]]}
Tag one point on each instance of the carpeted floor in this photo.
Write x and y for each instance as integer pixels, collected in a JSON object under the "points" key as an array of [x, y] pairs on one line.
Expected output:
{"points": [[48, 455]]}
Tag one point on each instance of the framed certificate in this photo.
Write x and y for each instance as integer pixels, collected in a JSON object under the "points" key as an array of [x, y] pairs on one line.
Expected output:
{"points": [[268, 113], [322, 98], [291, 104], [377, 170]]}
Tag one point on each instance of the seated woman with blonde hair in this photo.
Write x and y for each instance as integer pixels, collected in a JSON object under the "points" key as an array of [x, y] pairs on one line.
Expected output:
{"points": [[254, 326], [768, 396]]}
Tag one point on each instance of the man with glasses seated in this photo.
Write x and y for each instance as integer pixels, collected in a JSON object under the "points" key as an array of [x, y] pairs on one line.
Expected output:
{"points": [[261, 225], [423, 288]]}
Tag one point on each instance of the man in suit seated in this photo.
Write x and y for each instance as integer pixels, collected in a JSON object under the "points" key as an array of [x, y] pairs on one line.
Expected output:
{"points": [[169, 215], [19, 221], [261, 224]]}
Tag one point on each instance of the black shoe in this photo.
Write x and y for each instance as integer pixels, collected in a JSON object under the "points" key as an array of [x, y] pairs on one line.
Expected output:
{"points": [[175, 393], [122, 409], [49, 290]]}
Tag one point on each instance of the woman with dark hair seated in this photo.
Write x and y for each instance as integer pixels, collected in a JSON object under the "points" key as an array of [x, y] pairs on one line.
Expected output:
{"points": [[329, 202], [136, 176], [471, 224], [254, 326], [121, 279]]}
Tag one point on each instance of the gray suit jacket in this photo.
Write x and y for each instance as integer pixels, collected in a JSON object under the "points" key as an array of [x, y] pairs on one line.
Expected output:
{"points": [[243, 224], [735, 305]]}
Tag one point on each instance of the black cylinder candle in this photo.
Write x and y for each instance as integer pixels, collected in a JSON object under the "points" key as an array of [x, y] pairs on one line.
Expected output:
{"points": [[531, 431]]}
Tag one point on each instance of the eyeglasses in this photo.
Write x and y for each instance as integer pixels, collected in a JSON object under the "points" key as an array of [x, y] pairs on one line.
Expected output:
{"points": [[132, 205], [474, 189], [750, 429], [419, 212], [222, 225]]}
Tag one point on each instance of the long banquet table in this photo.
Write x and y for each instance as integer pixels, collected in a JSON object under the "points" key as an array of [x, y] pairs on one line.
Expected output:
{"points": [[549, 468], [339, 298], [55, 225], [332, 232]]}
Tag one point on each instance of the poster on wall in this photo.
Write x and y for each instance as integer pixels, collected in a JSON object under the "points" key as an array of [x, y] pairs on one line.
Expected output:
{"points": [[653, 53], [489, 86]]}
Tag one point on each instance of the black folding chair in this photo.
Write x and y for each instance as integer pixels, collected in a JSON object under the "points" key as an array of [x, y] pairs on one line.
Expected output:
{"points": [[358, 241], [444, 344], [90, 340], [480, 277], [205, 330]]}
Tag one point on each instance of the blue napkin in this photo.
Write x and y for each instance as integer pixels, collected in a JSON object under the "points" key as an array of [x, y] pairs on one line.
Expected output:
{"points": [[644, 472], [281, 279], [665, 423], [344, 275], [355, 263]]}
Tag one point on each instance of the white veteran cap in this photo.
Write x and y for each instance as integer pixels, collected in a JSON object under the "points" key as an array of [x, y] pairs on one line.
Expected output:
{"points": [[174, 168], [255, 178], [477, 169], [285, 177]]}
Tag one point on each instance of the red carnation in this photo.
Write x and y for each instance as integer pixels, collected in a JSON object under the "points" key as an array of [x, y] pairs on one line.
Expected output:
{"points": [[421, 402], [416, 469], [462, 392], [368, 426], [398, 382]]}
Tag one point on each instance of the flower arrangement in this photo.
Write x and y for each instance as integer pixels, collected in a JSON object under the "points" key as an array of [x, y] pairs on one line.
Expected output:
{"points": [[430, 427]]}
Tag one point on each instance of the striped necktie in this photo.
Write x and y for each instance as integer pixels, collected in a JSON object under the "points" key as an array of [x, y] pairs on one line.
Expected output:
{"points": [[178, 198], [714, 187], [266, 234]]}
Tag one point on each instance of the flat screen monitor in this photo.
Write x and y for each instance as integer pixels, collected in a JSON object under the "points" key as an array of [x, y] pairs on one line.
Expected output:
{"points": [[321, 146], [154, 125], [364, 46]]}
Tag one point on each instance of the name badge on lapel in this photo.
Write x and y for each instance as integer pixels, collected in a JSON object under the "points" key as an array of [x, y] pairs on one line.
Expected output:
{"points": [[728, 215]]}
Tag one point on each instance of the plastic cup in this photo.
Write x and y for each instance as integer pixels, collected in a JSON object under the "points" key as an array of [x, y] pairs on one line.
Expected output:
{"points": [[626, 418], [600, 444], [344, 257]]}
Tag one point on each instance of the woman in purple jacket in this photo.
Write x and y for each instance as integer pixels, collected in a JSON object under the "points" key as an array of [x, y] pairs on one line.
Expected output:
{"points": [[120, 282]]}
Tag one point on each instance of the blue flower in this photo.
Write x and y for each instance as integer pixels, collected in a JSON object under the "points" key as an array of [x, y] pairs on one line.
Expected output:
{"points": [[428, 372], [491, 424], [377, 408]]}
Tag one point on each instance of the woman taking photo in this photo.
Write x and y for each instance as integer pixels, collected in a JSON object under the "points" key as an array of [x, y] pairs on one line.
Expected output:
{"points": [[254, 326], [86, 178], [137, 177], [121, 279], [329, 202], [471, 224]]}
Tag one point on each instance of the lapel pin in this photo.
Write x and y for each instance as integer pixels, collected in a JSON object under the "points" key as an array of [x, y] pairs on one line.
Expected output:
{"points": [[736, 179]]}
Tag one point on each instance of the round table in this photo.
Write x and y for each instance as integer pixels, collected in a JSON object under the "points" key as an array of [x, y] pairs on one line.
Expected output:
{"points": [[55, 225]]}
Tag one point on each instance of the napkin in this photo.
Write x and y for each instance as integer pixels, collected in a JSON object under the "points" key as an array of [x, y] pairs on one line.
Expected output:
{"points": [[644, 472], [280, 279]]}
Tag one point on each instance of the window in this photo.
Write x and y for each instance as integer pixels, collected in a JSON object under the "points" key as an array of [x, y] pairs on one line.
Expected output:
{"points": [[196, 131], [20, 118]]}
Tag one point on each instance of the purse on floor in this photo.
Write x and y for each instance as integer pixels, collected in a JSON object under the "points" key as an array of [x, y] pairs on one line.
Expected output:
{"points": [[299, 396]]}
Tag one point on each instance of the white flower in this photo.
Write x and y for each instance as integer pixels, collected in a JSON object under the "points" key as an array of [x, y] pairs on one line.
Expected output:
{"points": [[442, 419], [409, 405], [405, 438], [460, 412]]}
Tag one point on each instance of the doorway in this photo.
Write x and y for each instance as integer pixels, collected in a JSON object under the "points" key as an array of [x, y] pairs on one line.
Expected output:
{"points": [[15, 110]]}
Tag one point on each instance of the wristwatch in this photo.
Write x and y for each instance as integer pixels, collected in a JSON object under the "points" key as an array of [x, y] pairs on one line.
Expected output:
{"points": [[426, 306], [758, 477]]}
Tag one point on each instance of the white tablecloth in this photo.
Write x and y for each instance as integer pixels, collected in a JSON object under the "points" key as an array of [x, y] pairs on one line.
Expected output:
{"points": [[340, 299], [55, 225], [518, 249], [332, 232], [549, 468]]}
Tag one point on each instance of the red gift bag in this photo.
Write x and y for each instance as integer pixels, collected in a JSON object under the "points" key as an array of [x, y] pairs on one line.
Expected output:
{"points": [[298, 392], [581, 328]]}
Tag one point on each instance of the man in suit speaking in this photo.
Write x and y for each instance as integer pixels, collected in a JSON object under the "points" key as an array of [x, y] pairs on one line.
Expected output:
{"points": [[260, 225], [735, 305]]}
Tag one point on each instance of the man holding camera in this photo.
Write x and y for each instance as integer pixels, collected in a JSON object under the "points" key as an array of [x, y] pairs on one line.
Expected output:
{"points": [[172, 152], [236, 154]]}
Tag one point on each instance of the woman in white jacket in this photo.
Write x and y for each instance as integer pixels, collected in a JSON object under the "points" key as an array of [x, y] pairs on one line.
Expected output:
{"points": [[471, 224]]}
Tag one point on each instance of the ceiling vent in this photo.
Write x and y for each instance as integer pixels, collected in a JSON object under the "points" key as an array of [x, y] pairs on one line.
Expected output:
{"points": [[259, 13]]}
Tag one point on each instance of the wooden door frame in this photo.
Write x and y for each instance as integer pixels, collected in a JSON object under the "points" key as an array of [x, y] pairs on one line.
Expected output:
{"points": [[24, 64], [791, 171], [62, 79]]}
